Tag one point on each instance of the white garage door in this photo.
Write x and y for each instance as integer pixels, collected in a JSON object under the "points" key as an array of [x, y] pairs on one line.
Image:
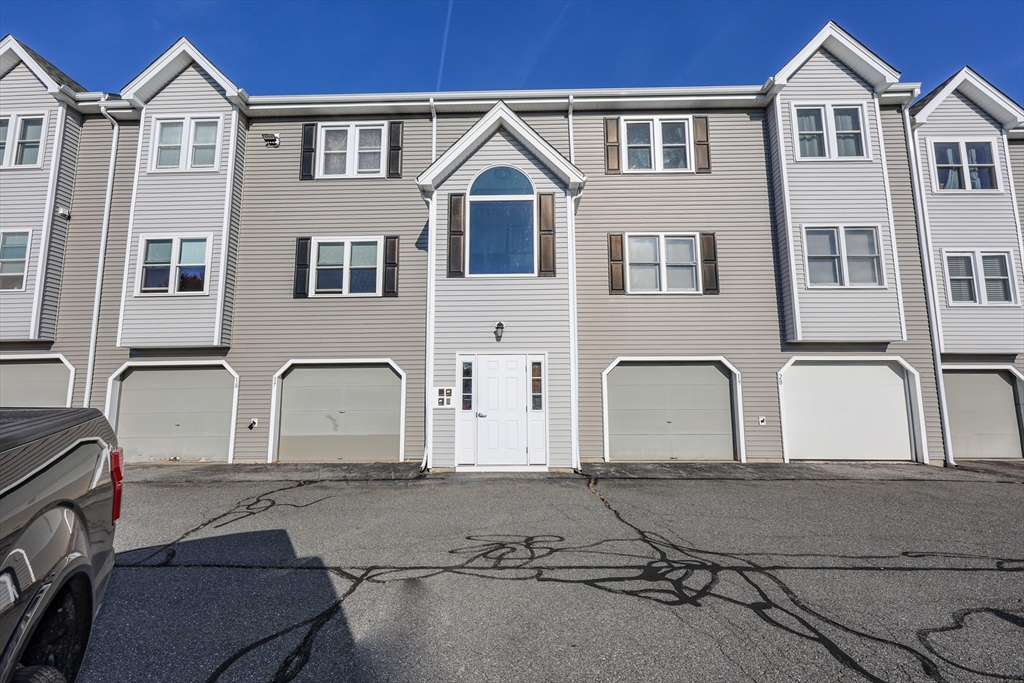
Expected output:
{"points": [[670, 411], [34, 384], [333, 413], [179, 412], [984, 414], [847, 411]]}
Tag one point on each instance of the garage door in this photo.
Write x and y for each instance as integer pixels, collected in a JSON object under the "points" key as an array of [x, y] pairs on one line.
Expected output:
{"points": [[34, 384], [336, 413], [984, 414], [670, 411], [178, 412], [847, 411]]}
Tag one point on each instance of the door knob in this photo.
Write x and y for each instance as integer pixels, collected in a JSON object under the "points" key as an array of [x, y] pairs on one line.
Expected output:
{"points": [[481, 414]]}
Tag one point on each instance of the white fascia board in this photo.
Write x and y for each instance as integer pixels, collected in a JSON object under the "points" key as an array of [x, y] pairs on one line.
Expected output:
{"points": [[500, 116], [847, 49], [170, 64], [11, 53], [975, 88]]}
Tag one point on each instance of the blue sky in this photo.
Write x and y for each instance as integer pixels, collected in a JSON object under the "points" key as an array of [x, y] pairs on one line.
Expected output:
{"points": [[335, 47]]}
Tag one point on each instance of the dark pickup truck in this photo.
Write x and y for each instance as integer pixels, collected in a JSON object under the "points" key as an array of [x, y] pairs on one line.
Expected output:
{"points": [[60, 496]]}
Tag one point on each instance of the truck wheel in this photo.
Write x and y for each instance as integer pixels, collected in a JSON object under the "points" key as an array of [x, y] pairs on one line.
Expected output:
{"points": [[38, 674]]}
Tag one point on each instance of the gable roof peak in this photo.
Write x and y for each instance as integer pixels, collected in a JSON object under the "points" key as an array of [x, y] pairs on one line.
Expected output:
{"points": [[837, 41], [13, 52], [168, 65], [971, 85]]}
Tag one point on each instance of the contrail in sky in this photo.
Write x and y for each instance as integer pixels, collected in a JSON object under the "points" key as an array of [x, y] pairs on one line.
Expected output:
{"points": [[444, 43]]}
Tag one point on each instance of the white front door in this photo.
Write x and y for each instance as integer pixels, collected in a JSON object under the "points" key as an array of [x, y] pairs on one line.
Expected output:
{"points": [[501, 411]]}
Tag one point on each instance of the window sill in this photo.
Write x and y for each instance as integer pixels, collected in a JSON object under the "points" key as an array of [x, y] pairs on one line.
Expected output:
{"points": [[839, 288], [22, 167], [939, 193], [493, 276], [184, 170], [649, 171], [345, 296], [974, 304], [694, 293], [842, 160], [349, 177], [152, 295]]}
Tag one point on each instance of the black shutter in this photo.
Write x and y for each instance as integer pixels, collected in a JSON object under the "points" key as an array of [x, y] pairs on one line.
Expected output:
{"points": [[709, 262], [456, 235], [395, 149], [612, 163], [391, 266], [616, 265], [308, 151], [302, 245], [702, 147], [547, 235]]}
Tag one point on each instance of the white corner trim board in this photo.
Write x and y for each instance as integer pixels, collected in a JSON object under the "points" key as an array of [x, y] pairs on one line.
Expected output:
{"points": [[111, 405], [275, 396], [737, 394], [131, 225], [48, 356]]}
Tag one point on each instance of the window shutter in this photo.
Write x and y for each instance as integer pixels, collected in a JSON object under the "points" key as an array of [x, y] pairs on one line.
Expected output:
{"points": [[616, 265], [395, 149], [702, 148], [391, 266], [308, 151], [709, 262], [546, 204], [456, 235], [302, 245], [612, 160]]}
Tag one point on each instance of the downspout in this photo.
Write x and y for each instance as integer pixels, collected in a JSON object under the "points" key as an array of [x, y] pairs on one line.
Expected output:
{"points": [[428, 419], [103, 253], [929, 290], [572, 145], [433, 132]]}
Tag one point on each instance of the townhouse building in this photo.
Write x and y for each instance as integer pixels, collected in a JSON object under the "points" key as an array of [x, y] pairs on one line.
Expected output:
{"points": [[813, 268]]}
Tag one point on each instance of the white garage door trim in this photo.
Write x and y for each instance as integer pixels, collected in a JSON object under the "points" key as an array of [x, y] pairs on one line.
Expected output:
{"points": [[994, 367], [48, 356], [110, 409], [916, 401], [737, 392], [275, 396]]}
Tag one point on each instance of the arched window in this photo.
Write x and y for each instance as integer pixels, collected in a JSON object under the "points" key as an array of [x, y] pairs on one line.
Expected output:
{"points": [[501, 223]]}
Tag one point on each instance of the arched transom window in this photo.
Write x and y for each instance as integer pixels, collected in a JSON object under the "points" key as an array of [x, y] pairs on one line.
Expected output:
{"points": [[502, 239]]}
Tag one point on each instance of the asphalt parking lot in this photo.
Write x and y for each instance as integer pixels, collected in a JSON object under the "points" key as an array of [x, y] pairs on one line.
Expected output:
{"points": [[836, 572]]}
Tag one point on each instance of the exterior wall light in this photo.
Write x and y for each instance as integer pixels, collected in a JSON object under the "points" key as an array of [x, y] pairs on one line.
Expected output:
{"points": [[272, 139], [499, 330]]}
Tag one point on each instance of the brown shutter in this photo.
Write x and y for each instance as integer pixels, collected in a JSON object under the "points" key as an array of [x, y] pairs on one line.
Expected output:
{"points": [[395, 149], [302, 245], [456, 235], [616, 265], [709, 262], [308, 151], [702, 148], [612, 160], [547, 235], [391, 266]]}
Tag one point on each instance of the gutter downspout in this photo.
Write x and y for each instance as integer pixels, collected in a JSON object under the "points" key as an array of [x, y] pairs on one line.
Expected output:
{"points": [[572, 145], [91, 367], [433, 132], [428, 420], [929, 290]]}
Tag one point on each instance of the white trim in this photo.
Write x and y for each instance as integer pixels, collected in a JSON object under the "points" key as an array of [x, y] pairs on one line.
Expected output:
{"points": [[829, 132], [346, 267], [11, 141], [428, 421], [28, 255], [737, 390], [574, 366], [172, 284], [918, 433], [663, 262], [840, 231], [892, 220], [44, 238], [572, 137], [501, 468], [352, 148], [170, 64], [131, 229], [47, 356], [965, 166], [925, 234], [187, 142], [995, 104], [11, 44], [978, 277], [993, 367], [275, 396], [783, 163], [879, 75], [657, 144], [225, 237], [111, 406], [532, 197], [1013, 197]]}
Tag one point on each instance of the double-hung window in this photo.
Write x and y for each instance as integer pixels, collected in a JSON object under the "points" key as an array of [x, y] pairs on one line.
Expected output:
{"points": [[174, 265], [21, 140], [351, 150], [830, 131], [658, 144], [979, 277], [965, 165], [662, 263], [13, 259], [843, 257], [184, 144], [347, 266]]}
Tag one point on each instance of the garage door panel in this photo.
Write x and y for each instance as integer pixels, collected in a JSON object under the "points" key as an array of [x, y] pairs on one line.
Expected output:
{"points": [[684, 397], [671, 422], [185, 424], [326, 423], [347, 398], [34, 384], [667, 446], [353, 448], [983, 414], [149, 448], [156, 401]]}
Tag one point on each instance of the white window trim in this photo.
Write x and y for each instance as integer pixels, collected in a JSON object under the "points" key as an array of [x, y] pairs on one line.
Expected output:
{"points": [[175, 253], [347, 269], [843, 263], [10, 150], [980, 292], [503, 198], [187, 134], [656, 144], [828, 121], [28, 256], [351, 152], [964, 166], [662, 262]]}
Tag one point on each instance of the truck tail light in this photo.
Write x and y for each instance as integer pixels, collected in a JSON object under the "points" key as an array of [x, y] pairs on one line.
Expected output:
{"points": [[116, 476]]}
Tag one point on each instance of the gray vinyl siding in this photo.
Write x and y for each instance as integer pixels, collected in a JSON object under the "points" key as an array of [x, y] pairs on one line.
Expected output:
{"points": [[827, 193], [23, 194], [967, 221], [169, 203], [231, 269], [778, 205], [535, 311]]}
